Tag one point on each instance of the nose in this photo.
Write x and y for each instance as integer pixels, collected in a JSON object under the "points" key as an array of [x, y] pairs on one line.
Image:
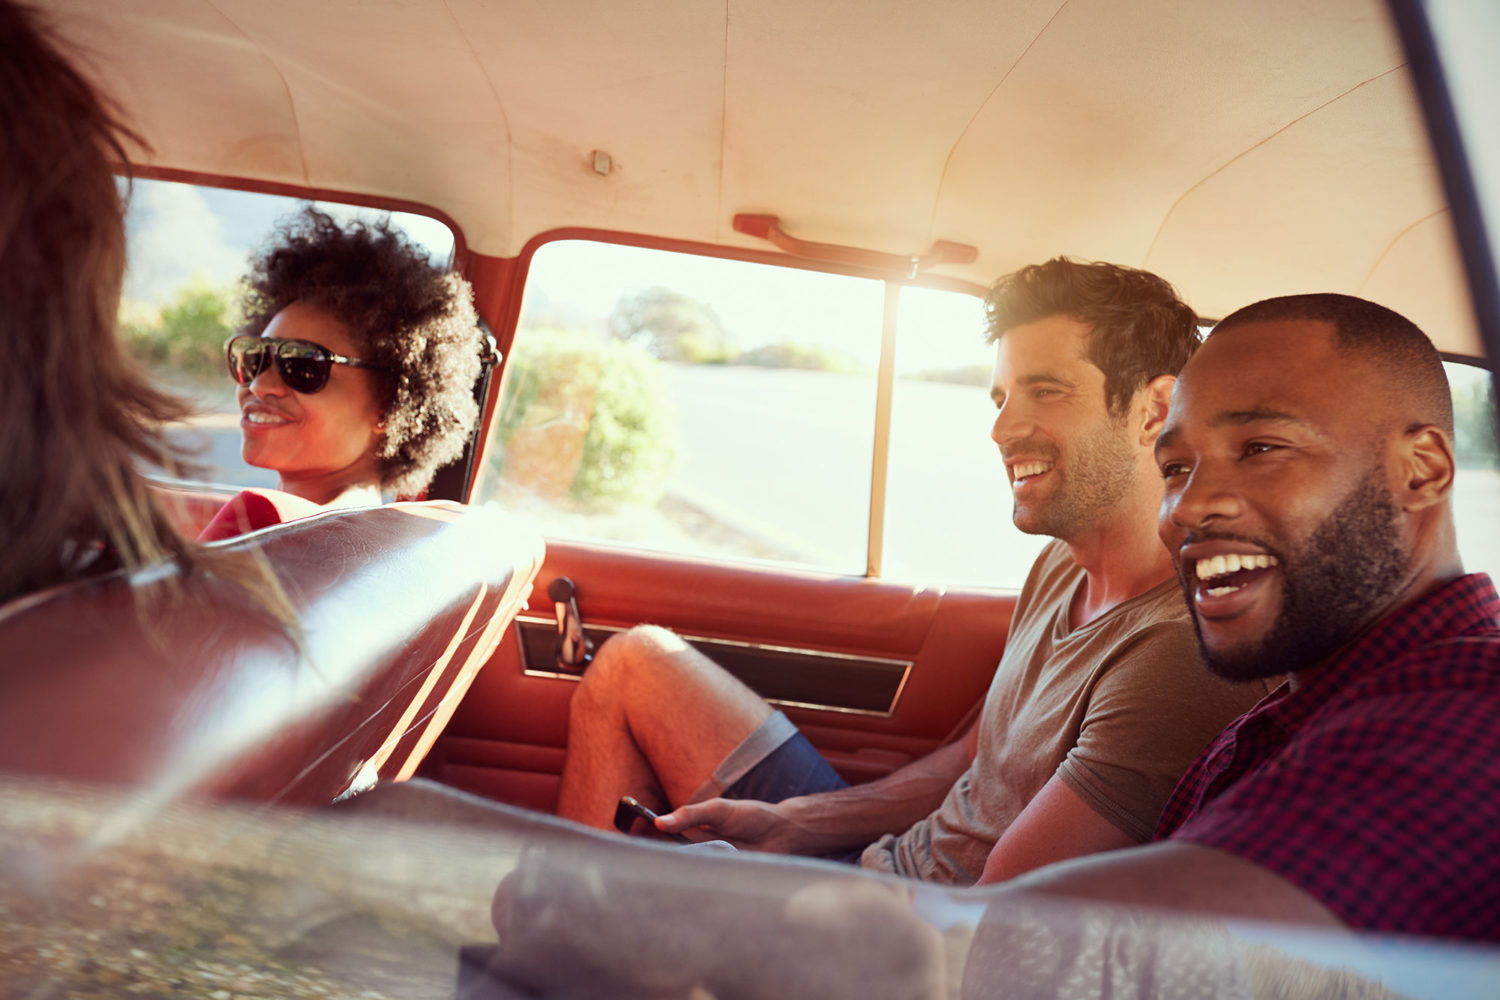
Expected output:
{"points": [[1198, 499], [1010, 424], [267, 381]]}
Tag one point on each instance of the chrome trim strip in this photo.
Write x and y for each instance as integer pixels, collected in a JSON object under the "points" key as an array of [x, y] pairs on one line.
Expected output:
{"points": [[905, 665]]}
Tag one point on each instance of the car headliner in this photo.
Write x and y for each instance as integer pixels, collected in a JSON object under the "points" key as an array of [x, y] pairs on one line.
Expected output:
{"points": [[1242, 150]]}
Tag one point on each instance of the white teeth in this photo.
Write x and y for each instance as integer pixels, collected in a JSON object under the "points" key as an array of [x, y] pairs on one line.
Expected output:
{"points": [[1220, 591], [1024, 470], [256, 417], [1214, 566]]}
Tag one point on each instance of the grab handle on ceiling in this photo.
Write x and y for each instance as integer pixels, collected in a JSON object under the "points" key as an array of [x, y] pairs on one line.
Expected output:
{"points": [[768, 227]]}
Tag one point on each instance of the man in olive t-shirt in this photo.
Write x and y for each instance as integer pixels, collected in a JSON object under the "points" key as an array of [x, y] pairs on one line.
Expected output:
{"points": [[1121, 701], [1098, 704]]}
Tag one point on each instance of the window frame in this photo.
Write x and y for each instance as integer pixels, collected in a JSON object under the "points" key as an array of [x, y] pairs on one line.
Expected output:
{"points": [[893, 282], [455, 480]]}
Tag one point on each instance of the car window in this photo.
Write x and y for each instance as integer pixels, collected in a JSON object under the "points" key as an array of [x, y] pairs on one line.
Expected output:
{"points": [[1476, 487], [728, 408], [720, 407], [188, 248], [948, 512], [691, 404]]}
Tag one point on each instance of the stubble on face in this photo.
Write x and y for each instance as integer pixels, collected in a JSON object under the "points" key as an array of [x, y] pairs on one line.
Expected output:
{"points": [[1097, 473], [1331, 586]]}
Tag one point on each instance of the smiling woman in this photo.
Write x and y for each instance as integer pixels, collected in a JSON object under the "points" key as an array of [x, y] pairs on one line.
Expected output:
{"points": [[310, 410], [355, 370]]}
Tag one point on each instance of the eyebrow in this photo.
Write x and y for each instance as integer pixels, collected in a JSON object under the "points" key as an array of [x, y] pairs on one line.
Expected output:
{"points": [[1040, 378], [1234, 418]]}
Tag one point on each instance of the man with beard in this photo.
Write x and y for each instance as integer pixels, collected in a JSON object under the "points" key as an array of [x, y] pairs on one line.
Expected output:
{"points": [[1309, 466], [1098, 704], [1308, 471]]}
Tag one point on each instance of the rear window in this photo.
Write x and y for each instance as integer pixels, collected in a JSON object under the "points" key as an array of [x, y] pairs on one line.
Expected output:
{"points": [[1476, 487], [188, 247]]}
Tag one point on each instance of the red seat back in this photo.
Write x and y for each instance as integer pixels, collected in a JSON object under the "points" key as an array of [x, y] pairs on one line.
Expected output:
{"points": [[108, 680]]}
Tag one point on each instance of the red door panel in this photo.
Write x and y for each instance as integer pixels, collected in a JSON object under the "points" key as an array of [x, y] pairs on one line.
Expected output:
{"points": [[506, 740]]}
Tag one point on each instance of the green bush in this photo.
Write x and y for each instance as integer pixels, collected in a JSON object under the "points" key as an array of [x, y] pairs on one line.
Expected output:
{"points": [[187, 336], [585, 418]]}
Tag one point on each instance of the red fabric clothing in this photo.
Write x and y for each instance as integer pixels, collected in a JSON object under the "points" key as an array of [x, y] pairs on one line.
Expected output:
{"points": [[1376, 787], [255, 508]]}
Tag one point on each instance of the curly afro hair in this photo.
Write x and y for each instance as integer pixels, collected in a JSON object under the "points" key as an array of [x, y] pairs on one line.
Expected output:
{"points": [[415, 320]]}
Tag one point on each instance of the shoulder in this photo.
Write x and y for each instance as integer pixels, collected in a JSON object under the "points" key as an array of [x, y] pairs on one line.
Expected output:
{"points": [[252, 509], [1450, 642], [1152, 623], [1445, 691], [1053, 576]]}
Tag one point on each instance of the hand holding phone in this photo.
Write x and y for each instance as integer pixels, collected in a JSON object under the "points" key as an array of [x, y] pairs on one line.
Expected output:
{"points": [[629, 808]]}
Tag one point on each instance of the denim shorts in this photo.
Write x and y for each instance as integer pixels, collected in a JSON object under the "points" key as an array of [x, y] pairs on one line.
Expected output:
{"points": [[790, 767]]}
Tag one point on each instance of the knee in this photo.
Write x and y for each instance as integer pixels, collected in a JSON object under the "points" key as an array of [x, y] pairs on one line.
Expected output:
{"points": [[632, 660], [643, 650]]}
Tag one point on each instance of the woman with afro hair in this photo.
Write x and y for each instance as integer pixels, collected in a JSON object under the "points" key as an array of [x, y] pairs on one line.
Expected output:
{"points": [[355, 369]]}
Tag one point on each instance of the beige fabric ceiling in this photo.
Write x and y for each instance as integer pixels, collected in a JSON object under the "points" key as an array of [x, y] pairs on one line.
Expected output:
{"points": [[1241, 149]]}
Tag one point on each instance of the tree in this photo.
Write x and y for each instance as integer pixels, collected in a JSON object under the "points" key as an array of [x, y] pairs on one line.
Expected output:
{"points": [[187, 336], [585, 418], [671, 326]]}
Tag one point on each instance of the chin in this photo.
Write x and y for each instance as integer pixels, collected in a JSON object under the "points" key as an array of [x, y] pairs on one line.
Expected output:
{"points": [[1243, 662]]}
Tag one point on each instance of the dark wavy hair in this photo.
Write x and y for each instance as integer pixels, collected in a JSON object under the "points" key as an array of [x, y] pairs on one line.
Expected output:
{"points": [[414, 319], [1141, 328], [78, 413]]}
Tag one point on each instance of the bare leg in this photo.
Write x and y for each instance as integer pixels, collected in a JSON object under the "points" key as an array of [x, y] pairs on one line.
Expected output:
{"points": [[652, 718]]}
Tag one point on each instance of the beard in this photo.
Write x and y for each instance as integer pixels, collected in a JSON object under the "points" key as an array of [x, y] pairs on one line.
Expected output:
{"points": [[1331, 585], [1099, 471]]}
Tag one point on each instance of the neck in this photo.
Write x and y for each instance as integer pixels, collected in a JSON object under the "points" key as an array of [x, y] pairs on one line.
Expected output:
{"points": [[333, 493], [1122, 556]]}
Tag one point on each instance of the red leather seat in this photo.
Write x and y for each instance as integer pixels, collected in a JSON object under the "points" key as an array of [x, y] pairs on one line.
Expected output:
{"points": [[109, 680]]}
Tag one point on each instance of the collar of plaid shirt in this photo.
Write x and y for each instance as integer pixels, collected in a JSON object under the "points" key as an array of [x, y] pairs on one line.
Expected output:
{"points": [[1462, 606]]}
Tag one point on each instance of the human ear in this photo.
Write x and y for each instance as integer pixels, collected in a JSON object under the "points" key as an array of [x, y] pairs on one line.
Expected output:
{"points": [[1153, 400], [1424, 471]]}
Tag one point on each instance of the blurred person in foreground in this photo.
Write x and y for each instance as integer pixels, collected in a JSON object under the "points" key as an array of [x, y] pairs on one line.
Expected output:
{"points": [[1308, 469], [78, 414]]}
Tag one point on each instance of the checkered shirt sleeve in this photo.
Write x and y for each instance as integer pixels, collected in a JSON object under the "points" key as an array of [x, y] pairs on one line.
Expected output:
{"points": [[1376, 787]]}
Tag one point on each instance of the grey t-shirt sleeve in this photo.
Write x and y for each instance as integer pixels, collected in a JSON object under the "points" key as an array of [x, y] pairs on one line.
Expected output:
{"points": [[1152, 711]]}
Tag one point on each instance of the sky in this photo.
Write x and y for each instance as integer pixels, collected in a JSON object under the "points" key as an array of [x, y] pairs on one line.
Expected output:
{"points": [[763, 304], [180, 234]]}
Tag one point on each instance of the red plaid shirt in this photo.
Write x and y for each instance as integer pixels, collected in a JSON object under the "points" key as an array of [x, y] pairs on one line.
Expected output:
{"points": [[1375, 787]]}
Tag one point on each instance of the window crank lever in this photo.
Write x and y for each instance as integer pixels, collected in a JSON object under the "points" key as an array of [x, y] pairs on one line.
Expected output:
{"points": [[572, 648]]}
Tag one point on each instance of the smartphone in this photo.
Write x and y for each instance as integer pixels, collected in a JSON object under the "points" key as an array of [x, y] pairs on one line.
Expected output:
{"points": [[629, 808]]}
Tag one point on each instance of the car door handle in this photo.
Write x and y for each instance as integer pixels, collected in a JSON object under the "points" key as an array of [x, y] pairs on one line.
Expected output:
{"points": [[572, 648]]}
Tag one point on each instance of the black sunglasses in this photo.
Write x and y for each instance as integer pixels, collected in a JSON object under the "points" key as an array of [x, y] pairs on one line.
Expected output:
{"points": [[302, 365]]}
